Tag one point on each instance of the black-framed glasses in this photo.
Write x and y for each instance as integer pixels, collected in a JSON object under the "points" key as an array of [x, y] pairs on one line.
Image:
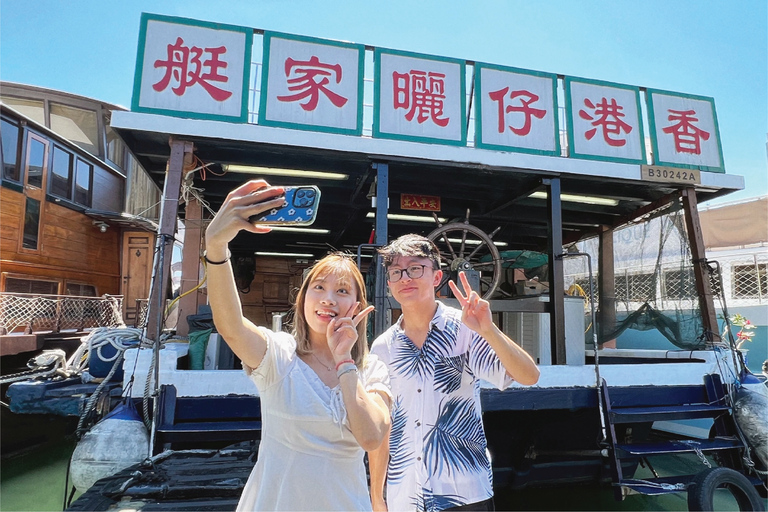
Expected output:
{"points": [[414, 272]]}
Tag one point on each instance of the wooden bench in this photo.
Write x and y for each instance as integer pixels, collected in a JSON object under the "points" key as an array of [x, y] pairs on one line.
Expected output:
{"points": [[204, 420]]}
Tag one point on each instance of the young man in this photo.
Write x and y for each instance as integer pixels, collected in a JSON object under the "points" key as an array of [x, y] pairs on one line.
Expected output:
{"points": [[436, 457]]}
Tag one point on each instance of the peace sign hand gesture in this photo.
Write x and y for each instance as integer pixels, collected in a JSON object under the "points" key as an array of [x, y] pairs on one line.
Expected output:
{"points": [[342, 332], [475, 312]]}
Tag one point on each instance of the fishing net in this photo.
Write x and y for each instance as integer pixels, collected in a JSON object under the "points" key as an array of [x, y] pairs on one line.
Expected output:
{"points": [[656, 302]]}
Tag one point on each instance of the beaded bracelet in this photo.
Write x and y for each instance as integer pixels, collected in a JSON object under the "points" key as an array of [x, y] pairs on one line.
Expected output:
{"points": [[343, 362], [205, 257], [346, 369]]}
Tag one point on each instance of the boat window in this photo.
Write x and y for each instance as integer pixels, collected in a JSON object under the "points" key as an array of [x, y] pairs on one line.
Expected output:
{"points": [[33, 109], [35, 162], [750, 281], [10, 135], [115, 145], [61, 173], [31, 223], [83, 179], [81, 290], [36, 286], [76, 124]]}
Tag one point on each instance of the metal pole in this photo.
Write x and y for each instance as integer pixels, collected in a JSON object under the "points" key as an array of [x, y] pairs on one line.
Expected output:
{"points": [[380, 301], [598, 379]]}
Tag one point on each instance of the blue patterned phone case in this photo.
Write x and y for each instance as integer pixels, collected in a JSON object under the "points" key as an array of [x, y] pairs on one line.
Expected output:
{"points": [[299, 208]]}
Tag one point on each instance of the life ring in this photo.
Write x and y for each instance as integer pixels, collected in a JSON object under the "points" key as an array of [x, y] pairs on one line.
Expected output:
{"points": [[701, 491]]}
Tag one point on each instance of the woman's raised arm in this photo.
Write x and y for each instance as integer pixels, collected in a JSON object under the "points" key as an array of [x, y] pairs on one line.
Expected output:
{"points": [[241, 335]]}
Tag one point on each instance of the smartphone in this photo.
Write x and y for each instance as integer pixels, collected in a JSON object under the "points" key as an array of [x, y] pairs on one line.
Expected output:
{"points": [[298, 209]]}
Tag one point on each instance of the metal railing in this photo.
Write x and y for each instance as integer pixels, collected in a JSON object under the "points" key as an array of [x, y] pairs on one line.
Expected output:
{"points": [[29, 313]]}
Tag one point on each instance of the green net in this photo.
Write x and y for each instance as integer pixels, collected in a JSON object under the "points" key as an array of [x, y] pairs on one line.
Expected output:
{"points": [[655, 299]]}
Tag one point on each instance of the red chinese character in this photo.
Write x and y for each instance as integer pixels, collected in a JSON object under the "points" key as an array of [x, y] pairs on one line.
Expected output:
{"points": [[186, 71], [609, 115], [311, 80], [526, 99], [422, 93], [687, 136]]}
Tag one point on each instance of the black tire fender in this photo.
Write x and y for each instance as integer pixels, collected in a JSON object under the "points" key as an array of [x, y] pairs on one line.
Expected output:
{"points": [[701, 491]]}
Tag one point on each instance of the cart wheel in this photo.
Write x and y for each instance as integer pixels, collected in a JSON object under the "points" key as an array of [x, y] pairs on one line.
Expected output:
{"points": [[701, 491], [461, 246]]}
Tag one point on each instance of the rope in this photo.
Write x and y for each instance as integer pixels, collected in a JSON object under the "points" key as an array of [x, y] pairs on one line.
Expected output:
{"points": [[120, 339]]}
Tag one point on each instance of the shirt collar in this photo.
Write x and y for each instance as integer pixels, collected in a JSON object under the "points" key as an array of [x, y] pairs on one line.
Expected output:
{"points": [[437, 322]]}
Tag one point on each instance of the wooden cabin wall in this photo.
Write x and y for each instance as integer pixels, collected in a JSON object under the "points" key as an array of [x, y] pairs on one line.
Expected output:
{"points": [[144, 196], [273, 289], [108, 190], [71, 247]]}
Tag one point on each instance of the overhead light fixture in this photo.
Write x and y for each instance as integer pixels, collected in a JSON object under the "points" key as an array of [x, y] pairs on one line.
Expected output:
{"points": [[576, 198], [285, 254], [472, 241], [408, 218], [314, 231], [294, 173]]}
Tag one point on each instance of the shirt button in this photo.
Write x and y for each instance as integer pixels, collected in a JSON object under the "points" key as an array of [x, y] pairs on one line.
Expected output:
{"points": [[419, 390], [418, 458], [418, 423]]}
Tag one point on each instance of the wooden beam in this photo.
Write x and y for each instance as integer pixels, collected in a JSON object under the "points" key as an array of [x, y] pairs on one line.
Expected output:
{"points": [[700, 267], [181, 155], [606, 311], [190, 264]]}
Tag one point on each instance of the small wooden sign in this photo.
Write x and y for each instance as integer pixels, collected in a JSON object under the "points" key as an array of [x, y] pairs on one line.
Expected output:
{"points": [[420, 202], [670, 174]]}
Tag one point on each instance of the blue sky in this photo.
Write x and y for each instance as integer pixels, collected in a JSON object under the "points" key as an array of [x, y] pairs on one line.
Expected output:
{"points": [[704, 47]]}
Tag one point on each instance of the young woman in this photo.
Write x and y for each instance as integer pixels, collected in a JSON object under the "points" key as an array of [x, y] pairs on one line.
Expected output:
{"points": [[324, 399]]}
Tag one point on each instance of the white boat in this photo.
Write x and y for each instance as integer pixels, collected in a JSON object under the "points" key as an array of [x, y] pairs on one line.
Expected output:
{"points": [[590, 416]]}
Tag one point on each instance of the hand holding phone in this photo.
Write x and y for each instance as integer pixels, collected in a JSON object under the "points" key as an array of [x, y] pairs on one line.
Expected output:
{"points": [[298, 209]]}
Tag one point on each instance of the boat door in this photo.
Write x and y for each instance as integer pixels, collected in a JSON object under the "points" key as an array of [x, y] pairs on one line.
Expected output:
{"points": [[136, 271], [35, 179]]}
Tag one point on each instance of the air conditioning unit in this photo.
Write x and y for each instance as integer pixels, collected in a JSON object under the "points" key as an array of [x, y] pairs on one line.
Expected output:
{"points": [[532, 332]]}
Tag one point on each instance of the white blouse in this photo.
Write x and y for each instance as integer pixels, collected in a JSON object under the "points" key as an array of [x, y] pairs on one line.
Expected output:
{"points": [[308, 458]]}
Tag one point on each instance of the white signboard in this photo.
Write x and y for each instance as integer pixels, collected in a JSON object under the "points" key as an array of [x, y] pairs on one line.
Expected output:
{"points": [[312, 84], [684, 131], [517, 110], [419, 97], [192, 68], [605, 122]]}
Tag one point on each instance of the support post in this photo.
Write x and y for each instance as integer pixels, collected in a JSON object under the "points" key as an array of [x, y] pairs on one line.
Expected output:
{"points": [[169, 210], [190, 264], [700, 268], [556, 274], [606, 286], [382, 207], [181, 154]]}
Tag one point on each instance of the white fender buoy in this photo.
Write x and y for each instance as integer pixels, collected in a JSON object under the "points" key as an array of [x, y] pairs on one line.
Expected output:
{"points": [[116, 442]]}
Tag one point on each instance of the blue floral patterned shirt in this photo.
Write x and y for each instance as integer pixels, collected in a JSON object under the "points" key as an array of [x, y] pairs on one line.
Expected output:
{"points": [[437, 447]]}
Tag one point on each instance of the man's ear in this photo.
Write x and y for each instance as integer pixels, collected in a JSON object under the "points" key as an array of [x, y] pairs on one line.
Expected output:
{"points": [[437, 277]]}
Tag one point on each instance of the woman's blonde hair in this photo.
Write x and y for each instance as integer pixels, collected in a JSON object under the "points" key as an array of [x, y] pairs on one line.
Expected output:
{"points": [[339, 265]]}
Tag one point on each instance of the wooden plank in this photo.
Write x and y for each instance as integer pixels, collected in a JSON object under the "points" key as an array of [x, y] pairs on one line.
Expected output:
{"points": [[700, 268], [606, 311]]}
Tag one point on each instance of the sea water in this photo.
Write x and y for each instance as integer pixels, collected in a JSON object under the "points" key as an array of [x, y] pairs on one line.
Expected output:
{"points": [[34, 480]]}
